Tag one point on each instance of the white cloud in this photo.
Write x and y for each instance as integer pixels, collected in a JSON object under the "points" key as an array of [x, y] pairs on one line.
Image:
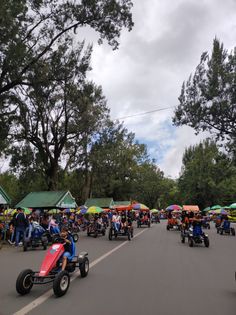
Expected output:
{"points": [[153, 60]]}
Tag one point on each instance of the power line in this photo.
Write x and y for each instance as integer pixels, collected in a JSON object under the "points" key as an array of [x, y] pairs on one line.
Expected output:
{"points": [[145, 113]]}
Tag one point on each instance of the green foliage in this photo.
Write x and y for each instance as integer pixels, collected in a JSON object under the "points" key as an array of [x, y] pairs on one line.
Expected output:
{"points": [[208, 98], [204, 176]]}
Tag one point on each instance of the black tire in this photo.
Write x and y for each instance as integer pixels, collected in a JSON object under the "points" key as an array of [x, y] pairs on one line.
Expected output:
{"points": [[132, 233], [206, 242], [45, 245], [129, 236], [167, 227], [84, 268], [103, 232], [190, 242], [24, 282], [183, 239], [61, 283], [88, 233], [110, 235], [217, 230], [209, 227], [221, 232], [95, 234], [75, 237], [233, 231], [149, 224], [25, 246]]}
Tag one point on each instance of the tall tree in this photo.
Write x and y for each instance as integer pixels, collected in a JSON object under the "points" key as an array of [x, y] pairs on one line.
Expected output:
{"points": [[53, 116], [208, 98]]}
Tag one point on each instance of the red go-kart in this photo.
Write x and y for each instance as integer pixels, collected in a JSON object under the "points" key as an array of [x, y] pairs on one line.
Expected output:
{"points": [[50, 271]]}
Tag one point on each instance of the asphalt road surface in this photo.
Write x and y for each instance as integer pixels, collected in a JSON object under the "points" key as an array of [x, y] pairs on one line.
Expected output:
{"points": [[152, 274]]}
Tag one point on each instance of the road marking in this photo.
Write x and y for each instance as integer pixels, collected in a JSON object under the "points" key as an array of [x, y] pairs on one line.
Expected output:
{"points": [[42, 298]]}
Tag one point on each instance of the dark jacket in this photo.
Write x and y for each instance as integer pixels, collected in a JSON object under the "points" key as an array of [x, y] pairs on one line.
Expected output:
{"points": [[21, 220]]}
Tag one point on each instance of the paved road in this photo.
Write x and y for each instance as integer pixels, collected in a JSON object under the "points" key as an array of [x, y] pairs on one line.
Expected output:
{"points": [[153, 274]]}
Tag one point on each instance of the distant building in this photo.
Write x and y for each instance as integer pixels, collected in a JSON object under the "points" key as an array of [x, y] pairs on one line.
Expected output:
{"points": [[48, 200]]}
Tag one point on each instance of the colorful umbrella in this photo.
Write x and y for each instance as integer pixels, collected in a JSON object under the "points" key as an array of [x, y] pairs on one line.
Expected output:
{"points": [[82, 210], [54, 211], [94, 210], [173, 207], [216, 207], [206, 209], [233, 206], [154, 211], [139, 206]]}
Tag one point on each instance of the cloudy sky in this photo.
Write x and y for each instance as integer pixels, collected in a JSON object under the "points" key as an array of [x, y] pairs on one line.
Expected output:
{"points": [[153, 60]]}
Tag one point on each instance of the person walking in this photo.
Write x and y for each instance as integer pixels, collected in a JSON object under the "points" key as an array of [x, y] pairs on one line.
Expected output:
{"points": [[21, 223]]}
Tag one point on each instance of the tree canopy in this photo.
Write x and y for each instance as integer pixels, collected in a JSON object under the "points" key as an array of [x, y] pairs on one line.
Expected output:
{"points": [[208, 98]]}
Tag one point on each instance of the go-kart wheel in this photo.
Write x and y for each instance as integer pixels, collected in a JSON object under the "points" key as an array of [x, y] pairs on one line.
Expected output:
{"points": [[217, 231], [221, 232], [24, 282], [206, 242], [167, 227], [95, 234], [110, 234], [183, 239], [103, 232], [84, 268], [61, 283], [25, 246], [190, 242], [88, 233], [132, 233], [149, 225], [232, 231], [75, 237]]}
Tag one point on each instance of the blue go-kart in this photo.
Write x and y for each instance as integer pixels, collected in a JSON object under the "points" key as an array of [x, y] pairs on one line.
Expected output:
{"points": [[197, 236], [226, 228], [35, 236]]}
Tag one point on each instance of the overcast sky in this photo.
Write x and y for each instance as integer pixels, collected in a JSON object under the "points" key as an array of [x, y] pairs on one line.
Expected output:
{"points": [[153, 60]]}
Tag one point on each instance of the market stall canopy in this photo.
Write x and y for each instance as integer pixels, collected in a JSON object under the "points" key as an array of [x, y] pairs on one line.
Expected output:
{"points": [[48, 199], [190, 208], [122, 205]]}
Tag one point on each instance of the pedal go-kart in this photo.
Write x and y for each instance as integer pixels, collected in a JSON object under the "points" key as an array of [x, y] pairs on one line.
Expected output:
{"points": [[34, 236], [225, 228], [155, 219], [174, 224], [50, 270], [196, 236], [95, 229], [125, 231], [144, 220]]}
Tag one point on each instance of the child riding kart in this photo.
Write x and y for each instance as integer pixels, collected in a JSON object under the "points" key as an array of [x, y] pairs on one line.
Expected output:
{"points": [[173, 223], [34, 236], [96, 227], [225, 227], [143, 219], [59, 261], [196, 235]]}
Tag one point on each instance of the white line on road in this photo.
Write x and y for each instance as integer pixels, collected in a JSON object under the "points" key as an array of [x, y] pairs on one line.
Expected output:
{"points": [[42, 298]]}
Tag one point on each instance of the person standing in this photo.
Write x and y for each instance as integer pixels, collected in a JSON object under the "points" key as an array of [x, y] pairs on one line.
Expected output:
{"points": [[21, 223]]}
